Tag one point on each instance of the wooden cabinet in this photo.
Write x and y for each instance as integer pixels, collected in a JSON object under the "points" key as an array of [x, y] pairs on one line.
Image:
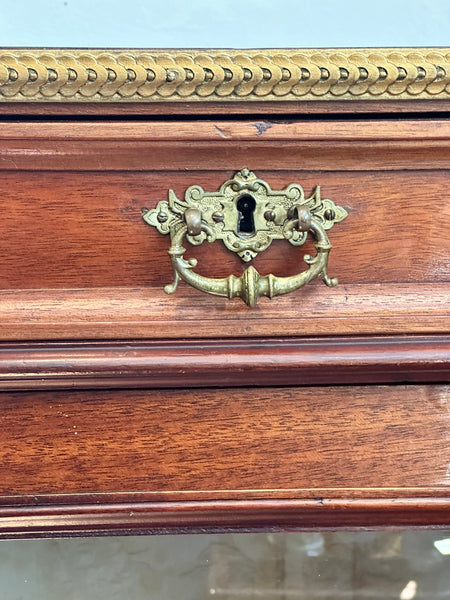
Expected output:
{"points": [[125, 409]]}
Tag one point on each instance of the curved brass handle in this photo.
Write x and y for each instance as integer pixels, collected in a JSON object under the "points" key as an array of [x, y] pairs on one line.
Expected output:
{"points": [[246, 215], [250, 286]]}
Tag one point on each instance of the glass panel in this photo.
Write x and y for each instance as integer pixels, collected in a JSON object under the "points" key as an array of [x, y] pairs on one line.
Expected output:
{"points": [[224, 23], [312, 566]]}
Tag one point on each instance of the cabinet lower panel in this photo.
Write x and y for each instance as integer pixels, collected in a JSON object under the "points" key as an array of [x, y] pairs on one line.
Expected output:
{"points": [[231, 458]]}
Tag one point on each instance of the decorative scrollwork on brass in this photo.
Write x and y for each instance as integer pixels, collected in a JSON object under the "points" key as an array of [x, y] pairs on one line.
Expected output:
{"points": [[246, 215], [215, 75]]}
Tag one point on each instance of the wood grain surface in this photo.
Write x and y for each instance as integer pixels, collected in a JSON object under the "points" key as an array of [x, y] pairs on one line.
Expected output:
{"points": [[214, 441], [406, 129], [374, 108], [86, 229], [197, 516], [242, 458], [79, 262], [232, 362], [132, 313], [73, 195]]}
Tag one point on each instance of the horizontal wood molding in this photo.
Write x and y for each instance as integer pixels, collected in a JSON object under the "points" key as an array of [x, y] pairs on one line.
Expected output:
{"points": [[222, 516], [193, 146], [234, 362], [413, 130], [127, 313], [177, 110], [148, 76]]}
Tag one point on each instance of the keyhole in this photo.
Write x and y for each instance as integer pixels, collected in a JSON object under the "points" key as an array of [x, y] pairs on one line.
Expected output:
{"points": [[246, 207]]}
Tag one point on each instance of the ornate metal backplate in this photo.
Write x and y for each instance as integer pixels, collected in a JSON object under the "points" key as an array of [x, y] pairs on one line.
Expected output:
{"points": [[107, 75], [247, 215]]}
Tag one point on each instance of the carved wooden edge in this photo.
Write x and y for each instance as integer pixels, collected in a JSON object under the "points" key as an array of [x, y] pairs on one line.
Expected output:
{"points": [[149, 313], [235, 362], [222, 516], [143, 76]]}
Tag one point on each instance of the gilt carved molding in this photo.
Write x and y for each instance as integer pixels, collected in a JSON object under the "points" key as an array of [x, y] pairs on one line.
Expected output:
{"points": [[223, 75]]}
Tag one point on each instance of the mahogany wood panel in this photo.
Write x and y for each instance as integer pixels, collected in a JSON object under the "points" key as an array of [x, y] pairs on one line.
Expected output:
{"points": [[237, 144], [130, 313], [78, 263], [214, 441], [239, 458], [86, 229], [412, 130], [239, 362], [82, 227]]}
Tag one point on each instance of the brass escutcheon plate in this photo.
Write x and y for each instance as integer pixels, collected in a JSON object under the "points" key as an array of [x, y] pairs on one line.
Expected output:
{"points": [[247, 215]]}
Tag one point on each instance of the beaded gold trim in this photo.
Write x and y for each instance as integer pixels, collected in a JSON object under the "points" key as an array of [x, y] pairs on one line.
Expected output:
{"points": [[223, 75]]}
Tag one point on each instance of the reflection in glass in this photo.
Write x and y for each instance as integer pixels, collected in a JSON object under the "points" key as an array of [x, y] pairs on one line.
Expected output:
{"points": [[281, 566]]}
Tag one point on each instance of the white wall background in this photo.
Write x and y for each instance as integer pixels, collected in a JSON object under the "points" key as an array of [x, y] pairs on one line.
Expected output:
{"points": [[224, 23]]}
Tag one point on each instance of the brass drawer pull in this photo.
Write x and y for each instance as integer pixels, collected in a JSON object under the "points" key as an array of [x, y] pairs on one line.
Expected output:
{"points": [[247, 216]]}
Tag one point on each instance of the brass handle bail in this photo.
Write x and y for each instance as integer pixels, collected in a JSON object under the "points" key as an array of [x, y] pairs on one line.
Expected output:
{"points": [[247, 216]]}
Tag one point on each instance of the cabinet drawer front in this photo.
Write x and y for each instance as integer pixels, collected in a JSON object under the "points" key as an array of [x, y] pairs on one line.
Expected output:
{"points": [[76, 252], [220, 441], [323, 449]]}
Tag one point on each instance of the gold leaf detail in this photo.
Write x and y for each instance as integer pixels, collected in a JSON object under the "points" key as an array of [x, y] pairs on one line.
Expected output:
{"points": [[234, 75]]}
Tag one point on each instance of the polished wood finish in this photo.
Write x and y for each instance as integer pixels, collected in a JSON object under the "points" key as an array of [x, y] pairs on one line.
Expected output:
{"points": [[292, 457], [241, 516], [88, 229], [234, 362], [74, 193], [312, 440], [410, 130], [167, 110], [269, 440], [146, 145], [131, 313]]}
